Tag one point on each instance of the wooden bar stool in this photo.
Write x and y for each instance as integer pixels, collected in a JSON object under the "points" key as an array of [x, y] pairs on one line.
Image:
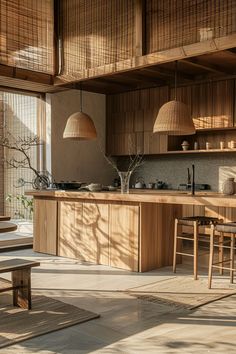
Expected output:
{"points": [[225, 240], [195, 222]]}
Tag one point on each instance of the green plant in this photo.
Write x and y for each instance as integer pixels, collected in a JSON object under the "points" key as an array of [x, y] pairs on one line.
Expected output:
{"points": [[27, 204]]}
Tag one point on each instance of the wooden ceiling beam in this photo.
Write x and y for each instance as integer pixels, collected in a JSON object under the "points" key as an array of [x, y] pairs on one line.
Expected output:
{"points": [[142, 77], [113, 83], [26, 75], [212, 68], [169, 74]]}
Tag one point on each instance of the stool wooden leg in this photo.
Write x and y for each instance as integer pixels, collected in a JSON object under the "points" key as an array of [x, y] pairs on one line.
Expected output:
{"points": [[175, 245], [211, 257], [195, 251], [21, 280], [221, 252], [232, 245]]}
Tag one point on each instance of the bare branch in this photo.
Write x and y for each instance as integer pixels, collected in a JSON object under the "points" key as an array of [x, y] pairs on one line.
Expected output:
{"points": [[23, 146]]}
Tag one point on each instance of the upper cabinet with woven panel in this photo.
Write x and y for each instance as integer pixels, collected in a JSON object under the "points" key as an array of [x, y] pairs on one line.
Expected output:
{"points": [[26, 34], [172, 24], [96, 33]]}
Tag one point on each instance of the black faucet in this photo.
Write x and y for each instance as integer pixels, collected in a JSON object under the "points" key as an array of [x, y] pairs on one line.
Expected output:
{"points": [[193, 180]]}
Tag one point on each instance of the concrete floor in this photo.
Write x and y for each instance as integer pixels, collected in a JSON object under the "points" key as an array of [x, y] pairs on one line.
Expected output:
{"points": [[126, 325]]}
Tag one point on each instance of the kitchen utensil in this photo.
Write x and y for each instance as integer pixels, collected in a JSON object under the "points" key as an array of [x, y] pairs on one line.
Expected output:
{"points": [[139, 183], [66, 185]]}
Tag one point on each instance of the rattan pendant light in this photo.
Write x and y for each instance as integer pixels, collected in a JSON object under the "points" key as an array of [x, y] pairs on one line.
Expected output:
{"points": [[174, 117], [80, 126]]}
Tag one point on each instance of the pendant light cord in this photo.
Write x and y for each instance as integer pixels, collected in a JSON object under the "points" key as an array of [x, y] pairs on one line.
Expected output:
{"points": [[176, 70], [81, 99]]}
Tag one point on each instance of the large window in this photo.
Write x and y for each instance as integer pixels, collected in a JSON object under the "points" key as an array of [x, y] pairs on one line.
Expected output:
{"points": [[22, 116]]}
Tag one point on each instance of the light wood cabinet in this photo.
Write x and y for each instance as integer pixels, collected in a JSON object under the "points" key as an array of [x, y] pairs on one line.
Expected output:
{"points": [[95, 232], [131, 117], [131, 236], [70, 230], [83, 231], [45, 226], [130, 120], [124, 236]]}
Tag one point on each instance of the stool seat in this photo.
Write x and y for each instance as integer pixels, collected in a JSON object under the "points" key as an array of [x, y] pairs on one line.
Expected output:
{"points": [[201, 220], [226, 227], [224, 239], [194, 222]]}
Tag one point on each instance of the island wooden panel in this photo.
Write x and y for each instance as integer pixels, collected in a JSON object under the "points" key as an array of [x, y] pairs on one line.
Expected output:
{"points": [[45, 226], [124, 236], [156, 235], [95, 231], [70, 235], [83, 231]]}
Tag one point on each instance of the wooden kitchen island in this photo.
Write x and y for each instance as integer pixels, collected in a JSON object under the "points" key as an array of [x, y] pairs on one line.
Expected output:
{"points": [[130, 231]]}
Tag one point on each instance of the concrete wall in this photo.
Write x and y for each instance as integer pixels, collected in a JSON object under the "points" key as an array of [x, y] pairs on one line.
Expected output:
{"points": [[212, 169], [78, 160]]}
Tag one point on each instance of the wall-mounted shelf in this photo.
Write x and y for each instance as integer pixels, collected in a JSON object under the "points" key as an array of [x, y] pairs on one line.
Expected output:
{"points": [[212, 136], [200, 151]]}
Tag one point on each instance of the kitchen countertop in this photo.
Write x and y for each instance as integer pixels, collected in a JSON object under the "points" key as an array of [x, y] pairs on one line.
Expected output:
{"points": [[143, 196]]}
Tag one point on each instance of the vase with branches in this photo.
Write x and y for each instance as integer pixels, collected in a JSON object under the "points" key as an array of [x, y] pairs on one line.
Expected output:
{"points": [[134, 163]]}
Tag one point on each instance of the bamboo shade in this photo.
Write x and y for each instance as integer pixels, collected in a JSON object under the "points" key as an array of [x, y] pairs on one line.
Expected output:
{"points": [[96, 32], [23, 116], [174, 23], [26, 34]]}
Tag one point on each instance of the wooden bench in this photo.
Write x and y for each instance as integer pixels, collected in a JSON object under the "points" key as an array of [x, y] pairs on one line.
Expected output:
{"points": [[21, 280]]}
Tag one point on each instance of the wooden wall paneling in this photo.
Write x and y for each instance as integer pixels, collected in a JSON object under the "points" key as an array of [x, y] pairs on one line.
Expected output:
{"points": [[95, 232], [212, 104], [223, 103], [45, 226], [157, 234], [124, 236], [139, 130], [151, 101], [110, 102], [132, 115], [140, 16], [71, 231], [183, 94], [122, 138]]}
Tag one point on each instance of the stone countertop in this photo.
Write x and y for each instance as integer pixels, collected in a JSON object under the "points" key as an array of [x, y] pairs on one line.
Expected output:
{"points": [[142, 196]]}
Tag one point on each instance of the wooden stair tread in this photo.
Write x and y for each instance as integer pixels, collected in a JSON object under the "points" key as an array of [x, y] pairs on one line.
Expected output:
{"points": [[7, 226], [16, 241]]}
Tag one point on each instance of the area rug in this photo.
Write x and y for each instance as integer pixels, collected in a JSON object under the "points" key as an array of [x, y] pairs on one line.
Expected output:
{"points": [[181, 291], [47, 315]]}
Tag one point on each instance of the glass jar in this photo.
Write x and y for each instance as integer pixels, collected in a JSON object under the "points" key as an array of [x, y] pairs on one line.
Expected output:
{"points": [[228, 186]]}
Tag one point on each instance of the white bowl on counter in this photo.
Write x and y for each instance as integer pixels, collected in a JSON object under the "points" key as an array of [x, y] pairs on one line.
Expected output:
{"points": [[94, 187]]}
